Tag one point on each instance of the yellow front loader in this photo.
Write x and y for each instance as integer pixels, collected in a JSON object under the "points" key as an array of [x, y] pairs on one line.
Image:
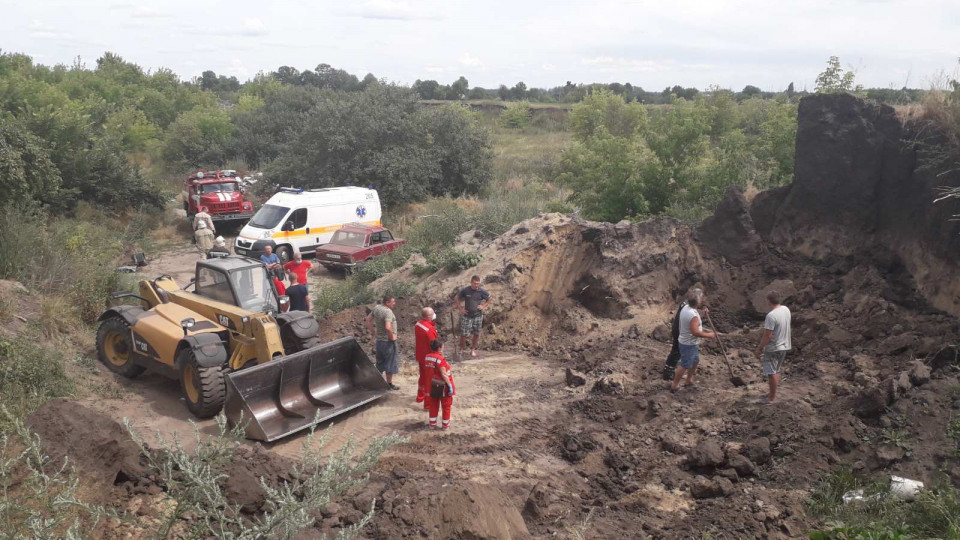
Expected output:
{"points": [[231, 321]]}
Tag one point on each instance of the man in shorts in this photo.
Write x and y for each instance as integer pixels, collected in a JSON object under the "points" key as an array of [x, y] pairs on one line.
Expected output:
{"points": [[471, 301], [690, 333], [382, 323], [775, 343]]}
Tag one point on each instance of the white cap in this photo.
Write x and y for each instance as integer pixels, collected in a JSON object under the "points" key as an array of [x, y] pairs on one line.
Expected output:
{"points": [[220, 241]]}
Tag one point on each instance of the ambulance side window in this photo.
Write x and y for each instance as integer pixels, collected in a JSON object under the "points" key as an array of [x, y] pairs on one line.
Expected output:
{"points": [[299, 218]]}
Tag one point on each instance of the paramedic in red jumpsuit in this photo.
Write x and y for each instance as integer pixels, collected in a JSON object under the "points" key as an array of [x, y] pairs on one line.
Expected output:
{"points": [[424, 331], [442, 377]]}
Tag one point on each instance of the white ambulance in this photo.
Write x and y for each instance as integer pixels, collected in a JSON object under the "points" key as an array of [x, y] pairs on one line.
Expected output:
{"points": [[303, 219]]}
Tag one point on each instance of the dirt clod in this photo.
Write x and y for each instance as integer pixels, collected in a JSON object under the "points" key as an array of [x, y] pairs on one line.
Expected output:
{"points": [[707, 454]]}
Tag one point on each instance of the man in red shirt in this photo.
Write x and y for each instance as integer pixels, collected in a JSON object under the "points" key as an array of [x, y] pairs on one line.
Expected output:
{"points": [[299, 267], [424, 331], [442, 388]]}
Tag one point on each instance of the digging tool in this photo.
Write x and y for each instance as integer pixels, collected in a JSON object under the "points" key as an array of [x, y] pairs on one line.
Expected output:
{"points": [[736, 380]]}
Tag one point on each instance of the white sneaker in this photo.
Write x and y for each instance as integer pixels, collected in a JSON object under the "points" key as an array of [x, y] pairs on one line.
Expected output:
{"points": [[473, 353]]}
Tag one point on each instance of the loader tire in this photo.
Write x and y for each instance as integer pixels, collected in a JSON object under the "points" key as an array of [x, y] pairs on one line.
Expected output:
{"points": [[115, 348], [204, 388], [292, 343]]}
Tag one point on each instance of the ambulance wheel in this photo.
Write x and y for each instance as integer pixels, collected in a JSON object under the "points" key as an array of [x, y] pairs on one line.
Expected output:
{"points": [[285, 254], [204, 388], [115, 349]]}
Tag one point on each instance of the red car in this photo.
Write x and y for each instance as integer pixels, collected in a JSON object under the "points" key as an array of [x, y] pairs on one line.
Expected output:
{"points": [[352, 245]]}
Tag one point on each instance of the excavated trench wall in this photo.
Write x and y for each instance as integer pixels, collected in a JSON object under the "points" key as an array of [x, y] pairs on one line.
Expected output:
{"points": [[860, 190]]}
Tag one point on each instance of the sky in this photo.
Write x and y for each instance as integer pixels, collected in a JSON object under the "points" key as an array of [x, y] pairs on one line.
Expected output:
{"points": [[649, 44]]}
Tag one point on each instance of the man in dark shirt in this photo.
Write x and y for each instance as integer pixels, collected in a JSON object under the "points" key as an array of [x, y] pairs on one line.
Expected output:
{"points": [[471, 301], [298, 294]]}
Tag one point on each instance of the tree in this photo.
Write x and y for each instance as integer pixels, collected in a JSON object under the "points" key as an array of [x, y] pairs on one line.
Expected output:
{"points": [[519, 91], [198, 138], [606, 174], [503, 93], [609, 111], [426, 89], [834, 79], [459, 88], [287, 75], [383, 137], [26, 173], [749, 91]]}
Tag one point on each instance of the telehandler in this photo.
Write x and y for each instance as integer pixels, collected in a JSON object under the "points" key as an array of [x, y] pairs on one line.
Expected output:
{"points": [[210, 337]]}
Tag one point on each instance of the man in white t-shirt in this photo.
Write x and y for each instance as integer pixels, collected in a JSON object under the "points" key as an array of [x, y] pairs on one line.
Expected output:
{"points": [[689, 341], [775, 343]]}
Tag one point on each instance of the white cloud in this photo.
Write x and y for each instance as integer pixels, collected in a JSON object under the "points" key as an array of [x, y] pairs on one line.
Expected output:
{"points": [[238, 69], [435, 69], [609, 64], [40, 30], [394, 10], [252, 26], [467, 59], [548, 67]]}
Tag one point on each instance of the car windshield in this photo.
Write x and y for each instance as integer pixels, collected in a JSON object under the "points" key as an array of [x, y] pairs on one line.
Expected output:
{"points": [[268, 216], [225, 187], [254, 290], [346, 238]]}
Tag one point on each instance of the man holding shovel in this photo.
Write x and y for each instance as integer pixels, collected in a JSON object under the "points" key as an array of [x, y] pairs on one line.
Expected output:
{"points": [[689, 341], [775, 343]]}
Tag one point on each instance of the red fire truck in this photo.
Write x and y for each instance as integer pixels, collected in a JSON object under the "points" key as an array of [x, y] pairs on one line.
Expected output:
{"points": [[219, 192]]}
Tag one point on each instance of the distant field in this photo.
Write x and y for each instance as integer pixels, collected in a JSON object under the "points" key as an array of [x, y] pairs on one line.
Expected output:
{"points": [[488, 103]]}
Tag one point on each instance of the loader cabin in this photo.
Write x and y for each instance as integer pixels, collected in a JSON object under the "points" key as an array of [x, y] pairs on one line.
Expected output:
{"points": [[237, 281], [302, 220]]}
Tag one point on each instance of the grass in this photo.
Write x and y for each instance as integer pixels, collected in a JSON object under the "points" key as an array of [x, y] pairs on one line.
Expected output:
{"points": [[934, 513], [31, 372]]}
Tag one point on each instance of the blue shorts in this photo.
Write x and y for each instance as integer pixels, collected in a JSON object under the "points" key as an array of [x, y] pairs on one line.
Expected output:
{"points": [[387, 357], [689, 355]]}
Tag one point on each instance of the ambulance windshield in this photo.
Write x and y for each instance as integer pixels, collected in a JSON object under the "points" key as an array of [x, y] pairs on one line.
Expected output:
{"points": [[269, 216]]}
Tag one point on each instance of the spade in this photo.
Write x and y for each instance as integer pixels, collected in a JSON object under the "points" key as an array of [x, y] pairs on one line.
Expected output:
{"points": [[736, 380]]}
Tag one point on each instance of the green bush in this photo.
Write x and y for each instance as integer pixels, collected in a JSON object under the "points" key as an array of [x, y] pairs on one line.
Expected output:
{"points": [[448, 259], [31, 372], [353, 291], [516, 115]]}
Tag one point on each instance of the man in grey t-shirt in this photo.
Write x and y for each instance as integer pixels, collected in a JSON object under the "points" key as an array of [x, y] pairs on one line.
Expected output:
{"points": [[775, 343], [382, 323]]}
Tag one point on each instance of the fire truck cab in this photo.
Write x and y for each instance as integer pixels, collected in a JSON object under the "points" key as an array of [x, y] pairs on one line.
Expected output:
{"points": [[219, 192]]}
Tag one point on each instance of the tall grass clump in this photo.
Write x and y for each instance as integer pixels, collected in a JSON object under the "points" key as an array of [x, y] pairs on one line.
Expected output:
{"points": [[193, 479], [31, 372], [934, 513], [73, 258]]}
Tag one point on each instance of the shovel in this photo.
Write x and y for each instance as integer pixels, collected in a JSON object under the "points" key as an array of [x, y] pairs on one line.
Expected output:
{"points": [[456, 338], [736, 380]]}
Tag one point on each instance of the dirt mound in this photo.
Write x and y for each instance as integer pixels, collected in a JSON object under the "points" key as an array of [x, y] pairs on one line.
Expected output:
{"points": [[98, 447], [860, 189]]}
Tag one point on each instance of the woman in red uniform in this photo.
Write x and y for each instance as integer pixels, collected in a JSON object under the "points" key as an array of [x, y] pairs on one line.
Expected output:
{"points": [[442, 388]]}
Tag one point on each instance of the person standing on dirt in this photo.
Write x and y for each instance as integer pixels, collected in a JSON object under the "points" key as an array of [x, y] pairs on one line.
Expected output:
{"points": [[299, 267], [471, 301], [382, 323], [298, 294], [272, 262], [774, 343], [670, 366], [424, 332], [203, 217], [204, 238], [442, 388], [691, 331]]}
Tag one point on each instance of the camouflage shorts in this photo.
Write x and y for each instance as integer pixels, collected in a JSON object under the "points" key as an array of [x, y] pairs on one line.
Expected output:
{"points": [[471, 325]]}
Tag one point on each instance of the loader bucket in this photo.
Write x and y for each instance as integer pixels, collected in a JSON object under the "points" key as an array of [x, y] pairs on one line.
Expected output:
{"points": [[283, 396]]}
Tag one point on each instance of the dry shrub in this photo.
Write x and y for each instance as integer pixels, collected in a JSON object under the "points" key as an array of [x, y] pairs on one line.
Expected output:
{"points": [[57, 315]]}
